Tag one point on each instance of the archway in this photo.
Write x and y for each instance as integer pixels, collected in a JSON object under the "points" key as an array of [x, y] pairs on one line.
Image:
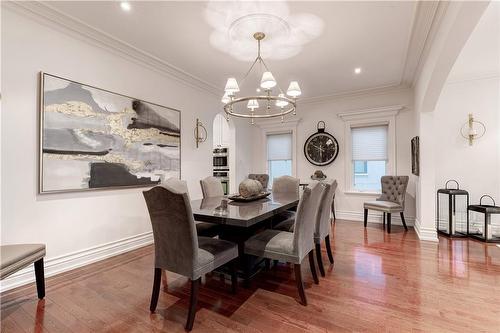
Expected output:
{"points": [[458, 22]]}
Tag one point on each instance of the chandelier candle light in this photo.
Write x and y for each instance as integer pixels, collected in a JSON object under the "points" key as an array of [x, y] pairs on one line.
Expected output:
{"points": [[271, 105]]}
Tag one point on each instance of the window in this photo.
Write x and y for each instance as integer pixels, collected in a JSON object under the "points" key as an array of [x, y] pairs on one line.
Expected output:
{"points": [[369, 157], [279, 155], [360, 167]]}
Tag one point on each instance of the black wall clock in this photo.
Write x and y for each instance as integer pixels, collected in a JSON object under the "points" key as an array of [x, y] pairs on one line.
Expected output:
{"points": [[321, 148]]}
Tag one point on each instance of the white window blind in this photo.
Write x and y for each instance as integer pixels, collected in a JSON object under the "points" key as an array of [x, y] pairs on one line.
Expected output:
{"points": [[279, 146], [369, 143]]}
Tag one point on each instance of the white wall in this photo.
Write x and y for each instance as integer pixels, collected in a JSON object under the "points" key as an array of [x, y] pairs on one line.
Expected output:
{"points": [[349, 206], [475, 167], [473, 86], [70, 223]]}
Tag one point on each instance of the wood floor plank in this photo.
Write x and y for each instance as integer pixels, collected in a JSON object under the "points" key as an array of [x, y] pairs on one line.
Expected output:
{"points": [[380, 283]]}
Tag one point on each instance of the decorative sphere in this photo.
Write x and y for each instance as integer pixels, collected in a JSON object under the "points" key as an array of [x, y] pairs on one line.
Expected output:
{"points": [[250, 187]]}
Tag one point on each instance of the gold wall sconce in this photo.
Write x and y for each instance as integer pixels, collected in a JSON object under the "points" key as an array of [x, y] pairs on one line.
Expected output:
{"points": [[472, 129], [200, 133]]}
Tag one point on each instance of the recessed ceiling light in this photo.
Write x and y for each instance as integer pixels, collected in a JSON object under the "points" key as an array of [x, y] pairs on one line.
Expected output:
{"points": [[357, 70], [125, 6]]}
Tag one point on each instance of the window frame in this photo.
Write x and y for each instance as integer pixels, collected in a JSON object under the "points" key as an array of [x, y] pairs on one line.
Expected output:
{"points": [[278, 127], [366, 118]]}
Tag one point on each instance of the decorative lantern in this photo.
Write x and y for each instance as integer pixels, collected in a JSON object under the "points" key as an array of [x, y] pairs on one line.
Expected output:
{"points": [[452, 217], [484, 221]]}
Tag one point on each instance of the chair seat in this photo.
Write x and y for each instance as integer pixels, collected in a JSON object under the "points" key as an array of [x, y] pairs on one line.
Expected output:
{"points": [[207, 229], [17, 256], [273, 244], [213, 253], [384, 206]]}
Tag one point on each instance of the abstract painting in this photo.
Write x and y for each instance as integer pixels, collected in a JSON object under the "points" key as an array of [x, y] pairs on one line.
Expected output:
{"points": [[415, 156], [91, 138]]}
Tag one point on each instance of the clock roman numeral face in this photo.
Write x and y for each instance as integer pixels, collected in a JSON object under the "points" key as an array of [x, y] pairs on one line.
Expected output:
{"points": [[321, 149]]}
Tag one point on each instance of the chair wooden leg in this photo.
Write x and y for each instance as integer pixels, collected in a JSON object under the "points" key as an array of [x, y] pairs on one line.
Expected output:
{"points": [[195, 287], [40, 278], [268, 264], [300, 284], [319, 259], [333, 209], [389, 223], [403, 220], [329, 249], [313, 267], [156, 289], [234, 276], [366, 217]]}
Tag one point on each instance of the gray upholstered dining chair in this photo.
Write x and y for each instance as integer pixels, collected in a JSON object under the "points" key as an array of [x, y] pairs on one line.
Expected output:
{"points": [[286, 184], [322, 224], [177, 247], [293, 246], [211, 187], [391, 201], [15, 257], [202, 228], [263, 178]]}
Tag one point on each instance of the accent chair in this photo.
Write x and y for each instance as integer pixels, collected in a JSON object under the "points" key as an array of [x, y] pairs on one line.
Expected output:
{"points": [[391, 201]]}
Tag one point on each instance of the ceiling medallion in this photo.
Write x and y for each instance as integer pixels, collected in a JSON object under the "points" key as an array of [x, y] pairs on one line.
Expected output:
{"points": [[272, 105]]}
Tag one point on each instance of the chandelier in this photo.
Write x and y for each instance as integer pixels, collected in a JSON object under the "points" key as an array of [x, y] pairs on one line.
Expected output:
{"points": [[267, 105]]}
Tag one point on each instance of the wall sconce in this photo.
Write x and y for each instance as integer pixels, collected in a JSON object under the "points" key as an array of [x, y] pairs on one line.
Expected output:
{"points": [[200, 133], [472, 129]]}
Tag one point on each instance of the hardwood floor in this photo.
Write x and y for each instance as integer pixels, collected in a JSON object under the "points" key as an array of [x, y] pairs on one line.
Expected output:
{"points": [[380, 283]]}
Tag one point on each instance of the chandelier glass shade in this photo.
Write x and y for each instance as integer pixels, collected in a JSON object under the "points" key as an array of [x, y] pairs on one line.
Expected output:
{"points": [[273, 101]]}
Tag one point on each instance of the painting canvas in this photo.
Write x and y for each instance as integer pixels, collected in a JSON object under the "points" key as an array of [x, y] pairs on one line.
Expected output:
{"points": [[415, 156], [94, 139]]}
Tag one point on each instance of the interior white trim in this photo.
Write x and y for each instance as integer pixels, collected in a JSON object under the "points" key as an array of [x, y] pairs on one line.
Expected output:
{"points": [[374, 217], [49, 16], [370, 117], [425, 234], [420, 32], [275, 127], [57, 265]]}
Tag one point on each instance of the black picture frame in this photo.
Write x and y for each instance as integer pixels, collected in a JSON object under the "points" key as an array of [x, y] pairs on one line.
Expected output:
{"points": [[415, 156]]}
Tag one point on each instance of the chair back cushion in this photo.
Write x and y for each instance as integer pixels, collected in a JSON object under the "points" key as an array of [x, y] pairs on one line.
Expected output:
{"points": [[261, 177], [176, 184], [211, 187], [394, 189], [323, 224], [174, 230], [306, 217], [286, 184]]}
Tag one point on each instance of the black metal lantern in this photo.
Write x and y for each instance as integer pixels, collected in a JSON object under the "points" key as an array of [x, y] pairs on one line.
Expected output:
{"points": [[452, 217], [484, 221]]}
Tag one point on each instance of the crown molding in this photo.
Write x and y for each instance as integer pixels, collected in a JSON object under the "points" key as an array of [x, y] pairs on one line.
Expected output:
{"points": [[380, 90], [45, 14], [422, 23], [384, 111], [438, 15]]}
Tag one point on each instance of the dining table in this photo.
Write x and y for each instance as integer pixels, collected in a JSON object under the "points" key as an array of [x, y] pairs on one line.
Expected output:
{"points": [[240, 220]]}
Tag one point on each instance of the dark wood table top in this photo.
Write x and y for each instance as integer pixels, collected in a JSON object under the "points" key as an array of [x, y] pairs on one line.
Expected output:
{"points": [[242, 214]]}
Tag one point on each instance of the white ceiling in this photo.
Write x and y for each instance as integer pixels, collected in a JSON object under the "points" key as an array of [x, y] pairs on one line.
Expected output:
{"points": [[371, 35]]}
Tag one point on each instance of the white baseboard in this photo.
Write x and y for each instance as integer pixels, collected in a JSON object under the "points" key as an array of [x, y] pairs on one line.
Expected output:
{"points": [[374, 217], [77, 259], [425, 234]]}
